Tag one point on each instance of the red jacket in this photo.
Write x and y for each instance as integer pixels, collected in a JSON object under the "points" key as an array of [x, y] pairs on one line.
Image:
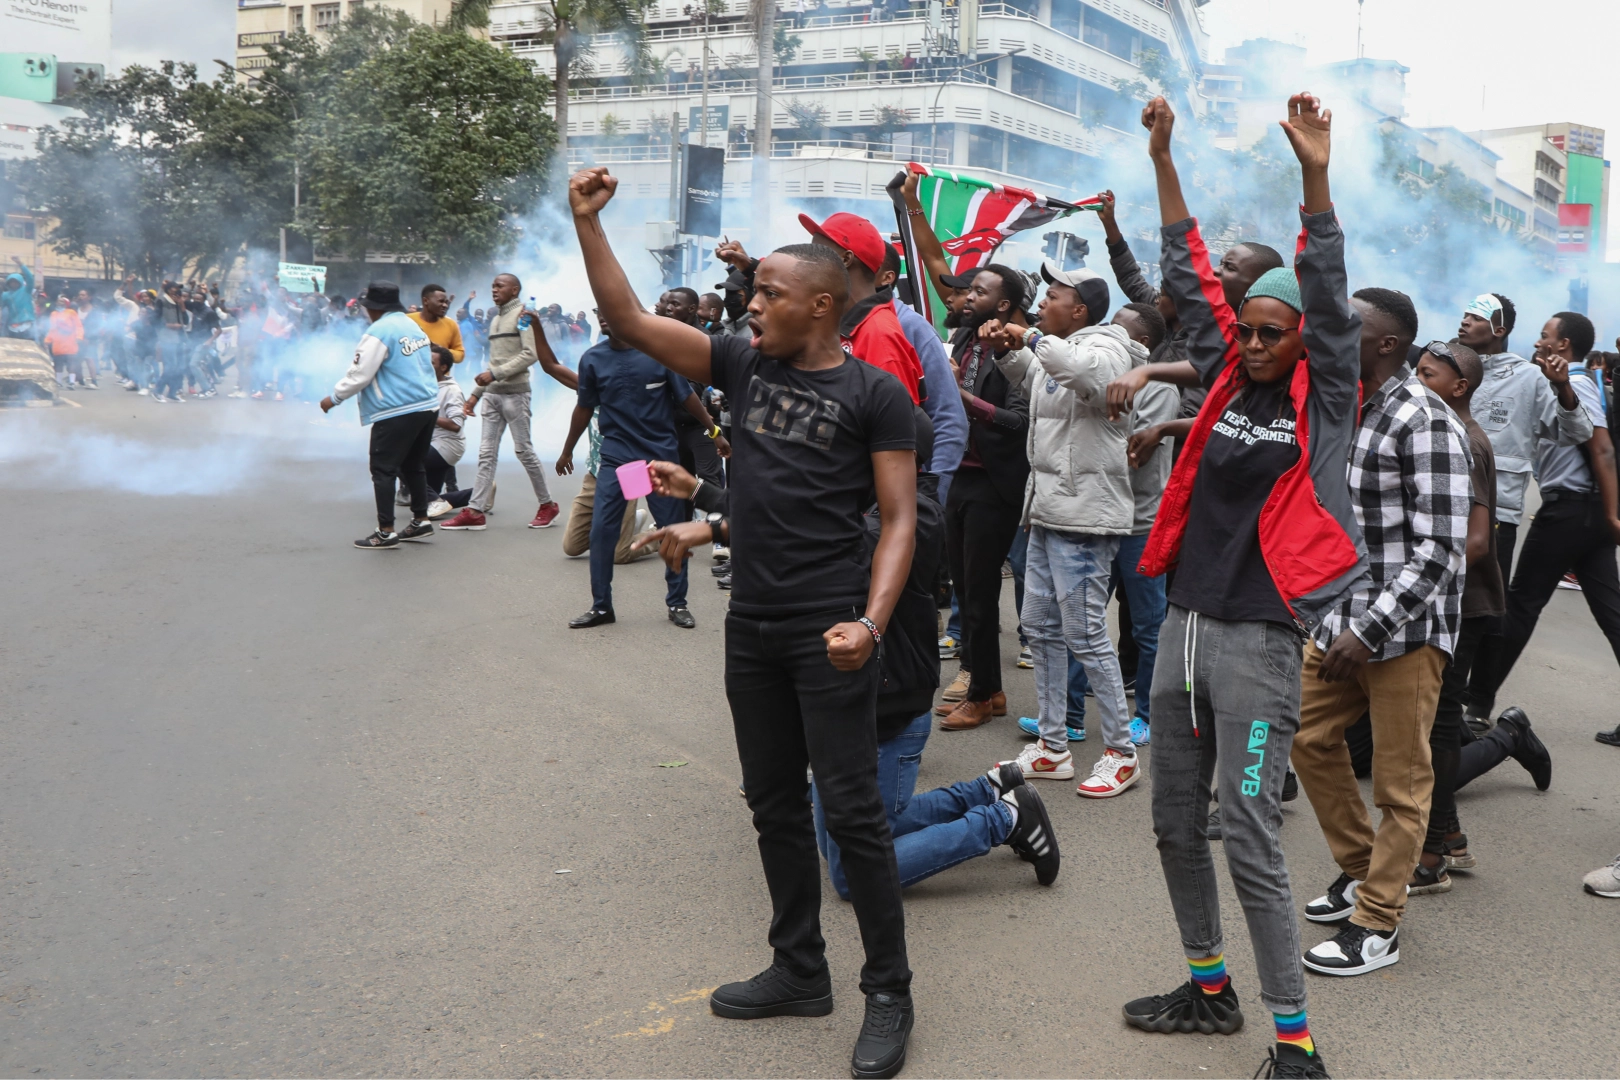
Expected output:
{"points": [[872, 332], [1308, 532]]}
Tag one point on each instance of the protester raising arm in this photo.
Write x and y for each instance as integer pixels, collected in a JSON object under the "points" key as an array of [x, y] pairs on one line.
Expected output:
{"points": [[681, 348], [1127, 271], [929, 248]]}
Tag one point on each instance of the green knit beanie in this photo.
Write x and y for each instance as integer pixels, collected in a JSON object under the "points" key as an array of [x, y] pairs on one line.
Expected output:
{"points": [[1279, 283]]}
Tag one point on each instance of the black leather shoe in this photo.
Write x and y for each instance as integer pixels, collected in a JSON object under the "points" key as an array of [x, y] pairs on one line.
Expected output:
{"points": [[880, 1050], [1290, 790], [682, 618], [776, 991], [1528, 749], [1609, 738], [593, 617]]}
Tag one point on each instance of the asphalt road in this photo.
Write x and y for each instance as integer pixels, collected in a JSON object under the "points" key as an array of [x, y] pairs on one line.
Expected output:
{"points": [[272, 806]]}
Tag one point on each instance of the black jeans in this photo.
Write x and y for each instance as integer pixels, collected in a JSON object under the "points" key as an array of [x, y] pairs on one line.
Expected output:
{"points": [[1480, 754], [399, 448], [791, 708], [979, 530], [700, 458], [1445, 738], [1489, 656], [1569, 533]]}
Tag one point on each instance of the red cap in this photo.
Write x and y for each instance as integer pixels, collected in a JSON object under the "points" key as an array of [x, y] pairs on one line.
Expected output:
{"points": [[850, 233]]}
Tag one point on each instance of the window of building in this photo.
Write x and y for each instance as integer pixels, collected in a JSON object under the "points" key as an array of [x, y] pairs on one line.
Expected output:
{"points": [[19, 228], [985, 148], [1066, 17], [1546, 165], [1104, 105], [1047, 85], [1112, 36], [1546, 194], [327, 15], [1509, 212], [295, 19]]}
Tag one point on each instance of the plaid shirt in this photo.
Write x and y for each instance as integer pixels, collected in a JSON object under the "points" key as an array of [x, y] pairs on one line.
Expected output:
{"points": [[1409, 486]]}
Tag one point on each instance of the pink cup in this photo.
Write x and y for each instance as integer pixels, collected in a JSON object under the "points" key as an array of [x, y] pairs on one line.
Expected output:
{"points": [[635, 480]]}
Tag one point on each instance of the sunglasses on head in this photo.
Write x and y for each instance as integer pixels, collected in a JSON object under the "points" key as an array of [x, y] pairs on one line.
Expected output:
{"points": [[1270, 333], [1442, 352]]}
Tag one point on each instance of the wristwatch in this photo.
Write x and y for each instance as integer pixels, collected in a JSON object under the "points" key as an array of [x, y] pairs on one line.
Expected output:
{"points": [[715, 521]]}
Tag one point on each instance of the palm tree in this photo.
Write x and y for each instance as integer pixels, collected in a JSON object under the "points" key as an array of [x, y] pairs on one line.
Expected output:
{"points": [[573, 23]]}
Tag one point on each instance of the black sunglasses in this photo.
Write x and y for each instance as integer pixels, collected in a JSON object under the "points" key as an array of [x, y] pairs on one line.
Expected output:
{"points": [[1442, 352], [1270, 333]]}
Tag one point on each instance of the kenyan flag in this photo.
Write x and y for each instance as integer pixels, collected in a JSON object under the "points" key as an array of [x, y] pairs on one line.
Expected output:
{"points": [[972, 218]]}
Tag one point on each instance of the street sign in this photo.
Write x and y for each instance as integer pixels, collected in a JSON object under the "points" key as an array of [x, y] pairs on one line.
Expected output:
{"points": [[719, 118], [301, 277]]}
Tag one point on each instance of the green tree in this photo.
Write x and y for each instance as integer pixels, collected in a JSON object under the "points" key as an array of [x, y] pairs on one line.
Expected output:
{"points": [[162, 172], [571, 24], [433, 142]]}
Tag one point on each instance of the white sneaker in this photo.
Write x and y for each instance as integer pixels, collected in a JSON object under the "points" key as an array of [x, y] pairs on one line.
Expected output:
{"points": [[144, 392], [402, 497], [236, 394], [1604, 881], [1113, 773], [438, 508], [1355, 950], [1039, 760]]}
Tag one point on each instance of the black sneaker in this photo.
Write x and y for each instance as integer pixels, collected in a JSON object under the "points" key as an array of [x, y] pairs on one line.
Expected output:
{"points": [[682, 618], [1528, 749], [1337, 905], [1005, 777], [774, 992], [1214, 826], [1186, 1009], [1290, 786], [1609, 738], [1032, 836], [1285, 1061], [593, 617], [880, 1049], [1355, 950], [416, 530], [721, 568], [378, 541], [723, 583]]}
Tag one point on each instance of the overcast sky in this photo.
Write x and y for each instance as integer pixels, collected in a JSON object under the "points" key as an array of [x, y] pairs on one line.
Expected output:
{"points": [[1475, 63]]}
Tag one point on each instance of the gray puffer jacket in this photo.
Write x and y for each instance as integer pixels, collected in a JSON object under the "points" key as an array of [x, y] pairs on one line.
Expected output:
{"points": [[1079, 478]]}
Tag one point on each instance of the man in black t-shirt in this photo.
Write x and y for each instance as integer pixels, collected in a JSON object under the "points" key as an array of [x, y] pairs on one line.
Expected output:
{"points": [[814, 432]]}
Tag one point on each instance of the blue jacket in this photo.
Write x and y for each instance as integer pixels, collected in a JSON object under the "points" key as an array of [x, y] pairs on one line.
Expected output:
{"points": [[17, 305], [392, 371], [943, 404]]}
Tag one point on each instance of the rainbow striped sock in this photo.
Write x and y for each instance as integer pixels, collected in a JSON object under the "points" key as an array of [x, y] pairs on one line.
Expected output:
{"points": [[1292, 1029], [1209, 973]]}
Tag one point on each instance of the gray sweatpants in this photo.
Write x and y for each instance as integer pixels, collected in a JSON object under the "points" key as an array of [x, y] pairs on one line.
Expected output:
{"points": [[1244, 697], [498, 412]]}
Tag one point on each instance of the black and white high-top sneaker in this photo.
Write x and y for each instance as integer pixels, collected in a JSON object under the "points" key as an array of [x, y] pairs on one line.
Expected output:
{"points": [[1355, 950], [1337, 905]]}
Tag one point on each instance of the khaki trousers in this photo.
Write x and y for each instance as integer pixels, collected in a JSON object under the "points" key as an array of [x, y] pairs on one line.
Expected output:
{"points": [[577, 533], [1400, 695]]}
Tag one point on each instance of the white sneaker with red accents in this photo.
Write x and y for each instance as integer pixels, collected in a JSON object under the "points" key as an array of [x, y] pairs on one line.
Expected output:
{"points": [[1113, 773], [1039, 760]]}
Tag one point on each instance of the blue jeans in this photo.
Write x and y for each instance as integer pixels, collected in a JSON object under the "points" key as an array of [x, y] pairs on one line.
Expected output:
{"points": [[932, 831], [1066, 589], [1145, 595], [607, 517], [1017, 556]]}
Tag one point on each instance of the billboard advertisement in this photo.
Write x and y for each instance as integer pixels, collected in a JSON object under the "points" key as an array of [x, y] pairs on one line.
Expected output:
{"points": [[703, 169], [48, 48]]}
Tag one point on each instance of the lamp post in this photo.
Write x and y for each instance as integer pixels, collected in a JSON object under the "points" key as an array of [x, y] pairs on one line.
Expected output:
{"points": [[293, 100], [933, 113]]}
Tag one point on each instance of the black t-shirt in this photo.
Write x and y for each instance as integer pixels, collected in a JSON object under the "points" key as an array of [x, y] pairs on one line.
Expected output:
{"points": [[801, 468], [1222, 573]]}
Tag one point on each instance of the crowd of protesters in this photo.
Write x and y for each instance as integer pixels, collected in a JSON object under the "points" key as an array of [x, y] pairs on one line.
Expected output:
{"points": [[1307, 518]]}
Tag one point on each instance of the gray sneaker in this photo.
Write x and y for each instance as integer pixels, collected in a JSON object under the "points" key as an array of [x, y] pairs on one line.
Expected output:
{"points": [[1604, 881]]}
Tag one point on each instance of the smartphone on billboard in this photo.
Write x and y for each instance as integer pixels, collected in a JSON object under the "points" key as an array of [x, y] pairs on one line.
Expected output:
{"points": [[73, 76], [28, 76]]}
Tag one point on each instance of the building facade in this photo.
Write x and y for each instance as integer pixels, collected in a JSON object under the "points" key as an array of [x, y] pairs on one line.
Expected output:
{"points": [[1028, 92], [259, 22], [1563, 165]]}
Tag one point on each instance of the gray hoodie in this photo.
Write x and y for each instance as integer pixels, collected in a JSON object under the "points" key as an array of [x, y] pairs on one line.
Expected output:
{"points": [[1079, 478], [511, 352], [1517, 407]]}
